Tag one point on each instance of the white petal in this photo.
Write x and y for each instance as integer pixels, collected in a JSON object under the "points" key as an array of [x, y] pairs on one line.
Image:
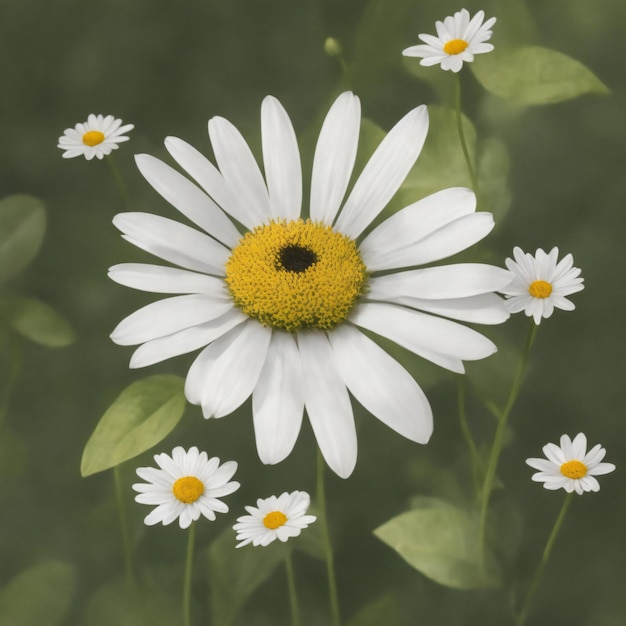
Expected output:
{"points": [[384, 172], [160, 279], [381, 384], [327, 403], [192, 202], [224, 374], [386, 246], [335, 154], [487, 308], [281, 159], [167, 316], [240, 171], [205, 173], [173, 242], [278, 400], [421, 333], [186, 340], [460, 280]]}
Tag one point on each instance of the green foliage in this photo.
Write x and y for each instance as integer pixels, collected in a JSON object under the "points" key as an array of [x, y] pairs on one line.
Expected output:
{"points": [[117, 604], [440, 540], [141, 416], [535, 75], [37, 321], [384, 610], [39, 595], [22, 227], [234, 573]]}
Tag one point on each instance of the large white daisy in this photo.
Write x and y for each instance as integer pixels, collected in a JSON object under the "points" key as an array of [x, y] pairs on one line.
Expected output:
{"points": [[97, 137], [278, 297], [569, 466], [458, 39]]}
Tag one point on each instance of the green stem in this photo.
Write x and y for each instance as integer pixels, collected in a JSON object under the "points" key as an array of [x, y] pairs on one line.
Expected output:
{"points": [[119, 180], [467, 435], [188, 572], [328, 550], [498, 441], [459, 126], [126, 544], [15, 366], [544, 559], [293, 597]]}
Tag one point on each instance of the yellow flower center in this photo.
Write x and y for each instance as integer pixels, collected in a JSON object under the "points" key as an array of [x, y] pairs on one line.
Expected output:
{"points": [[574, 469], [296, 275], [274, 520], [188, 489], [540, 289], [455, 46], [93, 137]]}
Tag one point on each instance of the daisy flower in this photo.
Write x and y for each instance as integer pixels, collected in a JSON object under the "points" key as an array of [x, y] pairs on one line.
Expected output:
{"points": [[96, 137], [278, 298], [187, 485], [570, 466], [274, 518], [458, 39], [540, 283]]}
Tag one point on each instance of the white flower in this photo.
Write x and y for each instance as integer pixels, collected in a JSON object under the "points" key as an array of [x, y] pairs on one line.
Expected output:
{"points": [[96, 137], [187, 485], [274, 518], [570, 466], [279, 310], [539, 284], [458, 39]]}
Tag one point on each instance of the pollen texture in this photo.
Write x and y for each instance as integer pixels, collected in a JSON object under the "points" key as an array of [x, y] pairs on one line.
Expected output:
{"points": [[455, 46], [296, 275], [188, 489], [540, 289], [93, 138], [574, 469], [274, 520]]}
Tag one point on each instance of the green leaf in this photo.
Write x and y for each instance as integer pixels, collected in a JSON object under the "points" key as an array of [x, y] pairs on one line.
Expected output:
{"points": [[22, 228], [118, 605], [234, 574], [142, 416], [493, 178], [37, 321], [534, 75], [440, 540], [39, 595], [384, 610]]}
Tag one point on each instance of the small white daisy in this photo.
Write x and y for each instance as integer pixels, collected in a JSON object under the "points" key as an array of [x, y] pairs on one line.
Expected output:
{"points": [[187, 485], [540, 283], [458, 40], [281, 294], [570, 466], [273, 518], [96, 137]]}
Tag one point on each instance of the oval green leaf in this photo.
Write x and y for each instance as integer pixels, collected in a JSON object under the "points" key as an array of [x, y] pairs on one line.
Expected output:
{"points": [[36, 321], [440, 541], [142, 416], [39, 595], [22, 228], [535, 75]]}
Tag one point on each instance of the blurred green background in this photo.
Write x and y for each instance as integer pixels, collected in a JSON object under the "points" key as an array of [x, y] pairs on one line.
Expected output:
{"points": [[168, 67]]}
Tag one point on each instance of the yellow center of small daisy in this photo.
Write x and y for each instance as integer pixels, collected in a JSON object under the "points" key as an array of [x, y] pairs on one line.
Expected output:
{"points": [[455, 46], [540, 289], [93, 138], [274, 520], [296, 275], [188, 489], [574, 469]]}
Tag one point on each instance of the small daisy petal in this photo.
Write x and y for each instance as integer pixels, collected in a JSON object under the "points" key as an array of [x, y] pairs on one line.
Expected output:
{"points": [[274, 518], [569, 466], [458, 40], [539, 285], [96, 137], [186, 487]]}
